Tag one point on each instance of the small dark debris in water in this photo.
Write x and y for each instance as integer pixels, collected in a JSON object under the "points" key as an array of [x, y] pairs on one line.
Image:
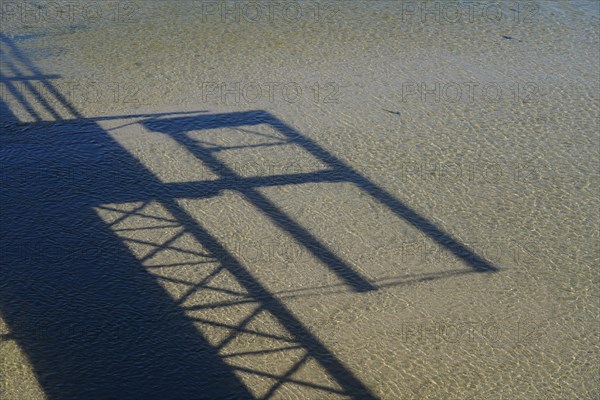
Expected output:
{"points": [[511, 38], [392, 112]]}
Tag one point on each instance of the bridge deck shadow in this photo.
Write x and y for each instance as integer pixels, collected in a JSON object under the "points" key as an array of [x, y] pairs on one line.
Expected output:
{"points": [[94, 316]]}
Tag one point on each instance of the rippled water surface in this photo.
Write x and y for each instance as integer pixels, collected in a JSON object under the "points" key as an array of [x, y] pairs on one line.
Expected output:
{"points": [[308, 200]]}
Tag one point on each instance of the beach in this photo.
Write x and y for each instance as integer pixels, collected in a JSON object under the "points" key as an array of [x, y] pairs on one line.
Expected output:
{"points": [[307, 200]]}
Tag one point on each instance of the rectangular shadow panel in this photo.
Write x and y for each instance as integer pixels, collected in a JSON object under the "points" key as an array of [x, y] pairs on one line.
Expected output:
{"points": [[337, 171]]}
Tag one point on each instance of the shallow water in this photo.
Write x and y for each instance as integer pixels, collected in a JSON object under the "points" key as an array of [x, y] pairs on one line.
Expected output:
{"points": [[355, 203]]}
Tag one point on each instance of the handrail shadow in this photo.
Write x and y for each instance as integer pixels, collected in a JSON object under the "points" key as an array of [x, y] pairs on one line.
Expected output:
{"points": [[90, 314]]}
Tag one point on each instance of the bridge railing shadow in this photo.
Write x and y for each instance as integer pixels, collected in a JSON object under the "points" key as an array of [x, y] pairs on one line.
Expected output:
{"points": [[113, 288]]}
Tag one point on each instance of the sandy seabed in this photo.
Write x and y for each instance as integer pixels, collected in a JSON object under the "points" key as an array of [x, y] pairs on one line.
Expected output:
{"points": [[323, 200]]}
